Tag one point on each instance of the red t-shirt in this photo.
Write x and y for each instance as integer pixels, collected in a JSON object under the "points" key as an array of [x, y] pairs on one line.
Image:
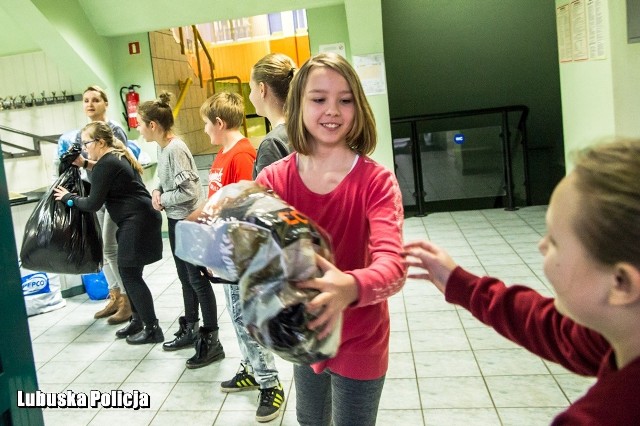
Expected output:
{"points": [[232, 166]]}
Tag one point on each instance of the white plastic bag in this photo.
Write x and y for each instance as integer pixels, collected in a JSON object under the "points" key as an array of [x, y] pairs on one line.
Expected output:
{"points": [[41, 291]]}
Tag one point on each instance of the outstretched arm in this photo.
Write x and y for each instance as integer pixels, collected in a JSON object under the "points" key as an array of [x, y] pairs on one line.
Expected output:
{"points": [[435, 261]]}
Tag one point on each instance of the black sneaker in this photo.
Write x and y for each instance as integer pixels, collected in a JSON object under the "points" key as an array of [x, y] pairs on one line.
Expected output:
{"points": [[243, 380], [271, 402]]}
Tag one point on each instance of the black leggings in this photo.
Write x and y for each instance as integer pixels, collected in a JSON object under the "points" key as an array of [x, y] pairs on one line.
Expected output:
{"points": [[139, 294], [195, 287]]}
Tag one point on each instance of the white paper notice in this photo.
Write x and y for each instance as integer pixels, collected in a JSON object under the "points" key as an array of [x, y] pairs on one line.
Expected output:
{"points": [[563, 23], [579, 31], [597, 38], [335, 48], [370, 69]]}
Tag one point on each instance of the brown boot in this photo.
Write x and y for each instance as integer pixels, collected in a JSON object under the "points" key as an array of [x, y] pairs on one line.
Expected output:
{"points": [[123, 313], [112, 306]]}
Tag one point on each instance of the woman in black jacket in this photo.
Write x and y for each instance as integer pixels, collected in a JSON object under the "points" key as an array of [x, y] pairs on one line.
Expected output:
{"points": [[117, 183]]}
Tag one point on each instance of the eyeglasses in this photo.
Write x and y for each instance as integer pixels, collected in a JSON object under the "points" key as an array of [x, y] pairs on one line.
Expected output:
{"points": [[85, 143]]}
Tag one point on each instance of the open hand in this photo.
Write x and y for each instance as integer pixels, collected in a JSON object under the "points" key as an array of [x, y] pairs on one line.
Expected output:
{"points": [[59, 192], [337, 291], [436, 262]]}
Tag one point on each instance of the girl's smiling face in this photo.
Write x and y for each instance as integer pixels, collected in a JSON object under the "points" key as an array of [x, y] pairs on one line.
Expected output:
{"points": [[328, 109]]}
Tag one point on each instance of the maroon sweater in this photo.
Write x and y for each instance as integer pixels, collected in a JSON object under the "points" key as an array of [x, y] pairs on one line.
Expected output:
{"points": [[531, 320]]}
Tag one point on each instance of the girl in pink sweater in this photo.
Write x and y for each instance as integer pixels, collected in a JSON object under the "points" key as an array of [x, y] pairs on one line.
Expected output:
{"points": [[331, 180]]}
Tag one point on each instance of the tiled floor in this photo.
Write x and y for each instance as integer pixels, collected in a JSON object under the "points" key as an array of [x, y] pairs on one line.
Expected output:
{"points": [[446, 368]]}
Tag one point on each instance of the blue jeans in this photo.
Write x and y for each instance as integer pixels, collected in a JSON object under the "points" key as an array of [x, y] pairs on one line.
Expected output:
{"points": [[330, 399], [259, 358]]}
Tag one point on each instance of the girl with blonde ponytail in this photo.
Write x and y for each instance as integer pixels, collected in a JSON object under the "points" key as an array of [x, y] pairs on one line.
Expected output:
{"points": [[118, 184]]}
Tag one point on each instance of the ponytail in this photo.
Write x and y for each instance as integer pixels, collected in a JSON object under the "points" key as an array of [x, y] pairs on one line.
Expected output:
{"points": [[120, 149]]}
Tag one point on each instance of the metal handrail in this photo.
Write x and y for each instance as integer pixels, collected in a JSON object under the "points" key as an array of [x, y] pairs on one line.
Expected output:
{"points": [[184, 88], [504, 110], [199, 42], [28, 152], [198, 39]]}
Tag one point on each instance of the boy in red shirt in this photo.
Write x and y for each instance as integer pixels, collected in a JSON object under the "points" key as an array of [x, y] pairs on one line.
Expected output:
{"points": [[223, 114]]}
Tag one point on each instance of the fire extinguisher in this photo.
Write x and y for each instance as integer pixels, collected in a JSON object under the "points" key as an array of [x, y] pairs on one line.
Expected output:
{"points": [[130, 103]]}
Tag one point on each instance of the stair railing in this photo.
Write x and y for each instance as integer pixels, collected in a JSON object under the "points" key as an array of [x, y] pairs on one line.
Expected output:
{"points": [[506, 148], [25, 152], [199, 43]]}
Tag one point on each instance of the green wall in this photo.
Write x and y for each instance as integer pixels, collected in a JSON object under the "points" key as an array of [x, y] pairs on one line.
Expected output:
{"points": [[328, 25], [130, 69], [357, 24], [452, 55]]}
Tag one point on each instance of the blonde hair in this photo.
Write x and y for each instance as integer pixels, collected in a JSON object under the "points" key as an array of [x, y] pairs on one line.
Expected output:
{"points": [[362, 136], [99, 130], [158, 111], [227, 106], [276, 70], [607, 178]]}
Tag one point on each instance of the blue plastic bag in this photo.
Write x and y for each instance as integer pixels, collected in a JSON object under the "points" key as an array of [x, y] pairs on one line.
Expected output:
{"points": [[96, 285]]}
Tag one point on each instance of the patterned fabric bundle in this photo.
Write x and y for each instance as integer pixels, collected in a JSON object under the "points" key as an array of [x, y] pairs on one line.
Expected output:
{"points": [[249, 236]]}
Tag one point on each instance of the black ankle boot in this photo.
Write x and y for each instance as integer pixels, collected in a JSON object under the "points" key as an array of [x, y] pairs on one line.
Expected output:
{"points": [[134, 326], [208, 349], [185, 336], [151, 333]]}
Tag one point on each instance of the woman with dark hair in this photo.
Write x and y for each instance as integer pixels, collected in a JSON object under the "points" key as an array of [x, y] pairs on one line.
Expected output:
{"points": [[117, 183]]}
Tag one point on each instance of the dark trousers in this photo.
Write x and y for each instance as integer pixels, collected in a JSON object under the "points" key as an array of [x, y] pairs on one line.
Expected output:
{"points": [[139, 294], [330, 399], [196, 289]]}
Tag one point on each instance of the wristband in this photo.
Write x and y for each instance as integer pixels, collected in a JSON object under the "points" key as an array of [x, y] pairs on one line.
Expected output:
{"points": [[70, 202], [86, 163]]}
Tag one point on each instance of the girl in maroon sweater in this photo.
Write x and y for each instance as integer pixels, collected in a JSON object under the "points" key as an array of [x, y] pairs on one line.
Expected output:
{"points": [[592, 259], [331, 180]]}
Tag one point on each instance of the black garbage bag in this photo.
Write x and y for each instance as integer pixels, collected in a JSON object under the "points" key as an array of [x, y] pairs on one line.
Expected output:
{"points": [[248, 235], [67, 158], [62, 239]]}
